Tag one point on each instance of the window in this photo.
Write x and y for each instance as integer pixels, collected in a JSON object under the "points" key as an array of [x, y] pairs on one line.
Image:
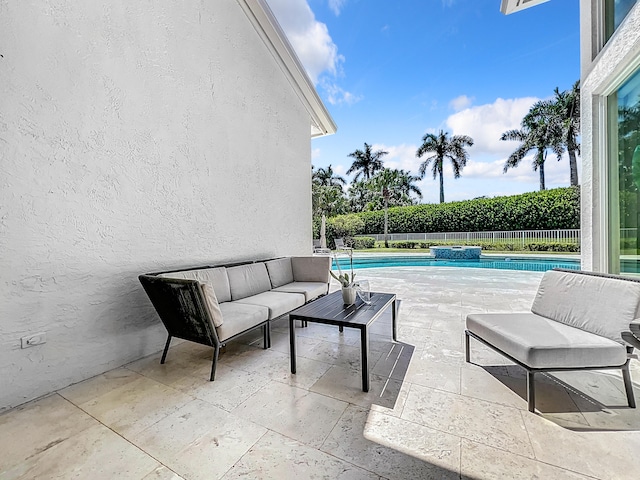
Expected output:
{"points": [[624, 177], [614, 13]]}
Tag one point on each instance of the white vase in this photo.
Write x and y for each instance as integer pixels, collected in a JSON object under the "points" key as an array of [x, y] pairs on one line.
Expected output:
{"points": [[349, 295]]}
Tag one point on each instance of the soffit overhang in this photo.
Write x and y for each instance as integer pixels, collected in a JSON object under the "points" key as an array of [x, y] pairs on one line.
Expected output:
{"points": [[512, 6], [265, 23]]}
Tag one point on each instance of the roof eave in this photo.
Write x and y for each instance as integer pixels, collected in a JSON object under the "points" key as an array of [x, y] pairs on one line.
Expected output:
{"points": [[271, 33], [511, 6]]}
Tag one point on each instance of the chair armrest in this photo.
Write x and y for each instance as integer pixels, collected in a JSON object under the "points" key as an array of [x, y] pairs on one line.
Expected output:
{"points": [[311, 269], [634, 326]]}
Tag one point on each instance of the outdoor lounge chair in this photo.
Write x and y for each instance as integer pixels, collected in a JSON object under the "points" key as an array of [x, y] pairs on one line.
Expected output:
{"points": [[578, 321], [340, 246]]}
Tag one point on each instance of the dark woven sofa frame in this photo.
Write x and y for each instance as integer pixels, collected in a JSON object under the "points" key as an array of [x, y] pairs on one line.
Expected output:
{"points": [[626, 376], [181, 308]]}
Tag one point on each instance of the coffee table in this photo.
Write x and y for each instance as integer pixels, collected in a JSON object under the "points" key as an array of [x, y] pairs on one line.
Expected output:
{"points": [[331, 310]]}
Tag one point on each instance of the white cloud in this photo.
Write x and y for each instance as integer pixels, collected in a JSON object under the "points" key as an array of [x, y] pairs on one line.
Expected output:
{"points": [[486, 123], [309, 38], [314, 46], [336, 95], [336, 5], [460, 103]]}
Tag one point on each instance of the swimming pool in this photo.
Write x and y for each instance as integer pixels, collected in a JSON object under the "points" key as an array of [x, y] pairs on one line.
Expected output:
{"points": [[500, 263]]}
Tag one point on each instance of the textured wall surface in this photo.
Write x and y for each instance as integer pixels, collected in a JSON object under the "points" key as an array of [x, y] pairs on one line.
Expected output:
{"points": [[134, 136], [600, 77]]}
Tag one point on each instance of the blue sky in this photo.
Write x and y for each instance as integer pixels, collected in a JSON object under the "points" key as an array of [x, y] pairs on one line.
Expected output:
{"points": [[390, 71]]}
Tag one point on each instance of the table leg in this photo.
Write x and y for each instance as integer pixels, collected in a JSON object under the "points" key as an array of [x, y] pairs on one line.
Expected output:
{"points": [[292, 344], [393, 321], [364, 347]]}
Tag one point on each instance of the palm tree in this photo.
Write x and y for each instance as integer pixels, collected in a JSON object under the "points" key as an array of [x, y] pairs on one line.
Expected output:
{"points": [[444, 147], [366, 162], [564, 111], [359, 195], [392, 185], [326, 177], [539, 132]]}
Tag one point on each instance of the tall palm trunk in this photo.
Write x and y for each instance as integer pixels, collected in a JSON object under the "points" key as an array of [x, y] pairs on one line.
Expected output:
{"points": [[441, 183], [386, 222], [573, 166], [541, 169]]}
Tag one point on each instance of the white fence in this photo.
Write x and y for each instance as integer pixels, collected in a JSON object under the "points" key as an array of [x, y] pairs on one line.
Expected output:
{"points": [[523, 236]]}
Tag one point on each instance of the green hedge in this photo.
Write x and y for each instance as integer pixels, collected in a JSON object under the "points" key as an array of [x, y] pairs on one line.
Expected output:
{"points": [[360, 243], [487, 246], [547, 210]]}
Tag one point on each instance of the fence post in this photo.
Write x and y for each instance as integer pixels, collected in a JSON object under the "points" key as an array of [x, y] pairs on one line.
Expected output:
{"points": [[522, 239]]}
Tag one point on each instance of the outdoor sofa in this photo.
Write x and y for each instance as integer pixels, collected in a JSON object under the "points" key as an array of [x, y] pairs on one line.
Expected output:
{"points": [[212, 305], [578, 321]]}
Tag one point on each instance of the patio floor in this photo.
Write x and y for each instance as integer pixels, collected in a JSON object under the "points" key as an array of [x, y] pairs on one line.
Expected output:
{"points": [[428, 414]]}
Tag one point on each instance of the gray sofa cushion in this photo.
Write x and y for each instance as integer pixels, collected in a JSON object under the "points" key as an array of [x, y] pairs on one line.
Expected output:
{"points": [[543, 343], [311, 269], [239, 317], [248, 280], [216, 277], [310, 290], [586, 302], [278, 303], [280, 272]]}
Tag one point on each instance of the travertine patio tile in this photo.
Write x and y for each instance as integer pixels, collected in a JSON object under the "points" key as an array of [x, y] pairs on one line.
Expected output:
{"points": [[346, 384], [135, 406], [277, 457], [480, 461], [495, 425], [296, 413], [601, 454], [392, 447], [199, 441], [94, 387], [163, 473], [48, 421], [96, 453], [432, 373]]}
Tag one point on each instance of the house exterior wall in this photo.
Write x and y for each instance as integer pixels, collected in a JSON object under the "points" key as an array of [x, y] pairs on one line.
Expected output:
{"points": [[134, 136], [602, 71]]}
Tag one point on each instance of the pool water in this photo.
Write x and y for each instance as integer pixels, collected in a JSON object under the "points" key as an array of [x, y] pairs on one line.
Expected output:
{"points": [[498, 263]]}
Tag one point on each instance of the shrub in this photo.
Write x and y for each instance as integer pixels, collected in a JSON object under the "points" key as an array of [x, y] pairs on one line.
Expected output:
{"points": [[360, 243], [547, 210]]}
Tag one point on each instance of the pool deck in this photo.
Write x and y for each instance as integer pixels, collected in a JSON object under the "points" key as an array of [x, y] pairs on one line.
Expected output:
{"points": [[428, 415]]}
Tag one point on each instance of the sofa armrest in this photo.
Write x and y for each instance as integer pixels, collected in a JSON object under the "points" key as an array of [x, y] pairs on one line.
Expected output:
{"points": [[311, 269], [634, 326]]}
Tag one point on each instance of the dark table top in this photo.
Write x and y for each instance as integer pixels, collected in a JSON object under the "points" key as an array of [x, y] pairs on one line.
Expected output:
{"points": [[331, 310]]}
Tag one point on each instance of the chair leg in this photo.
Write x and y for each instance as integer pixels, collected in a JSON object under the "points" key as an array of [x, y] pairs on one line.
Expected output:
{"points": [[216, 351], [628, 386], [266, 335], [467, 353], [531, 392], [166, 349]]}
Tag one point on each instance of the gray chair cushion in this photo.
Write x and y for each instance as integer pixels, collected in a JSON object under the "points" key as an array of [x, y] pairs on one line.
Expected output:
{"points": [[311, 269], [239, 317], [216, 277], [539, 342], [278, 303], [248, 280], [310, 290], [587, 302], [280, 272]]}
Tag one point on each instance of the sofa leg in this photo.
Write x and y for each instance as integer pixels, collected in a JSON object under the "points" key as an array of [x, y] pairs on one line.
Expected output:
{"points": [[266, 335], [166, 349], [467, 354], [628, 386], [531, 392], [216, 352]]}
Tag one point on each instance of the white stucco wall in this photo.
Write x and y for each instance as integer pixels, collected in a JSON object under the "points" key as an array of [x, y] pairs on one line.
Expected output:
{"points": [[601, 76], [134, 136]]}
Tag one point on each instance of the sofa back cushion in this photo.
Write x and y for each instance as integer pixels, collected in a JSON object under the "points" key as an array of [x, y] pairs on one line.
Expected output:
{"points": [[248, 280], [311, 269], [216, 277], [211, 303], [600, 305], [280, 272]]}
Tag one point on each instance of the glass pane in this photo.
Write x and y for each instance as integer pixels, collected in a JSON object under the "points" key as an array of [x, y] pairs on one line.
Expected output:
{"points": [[624, 177], [615, 11]]}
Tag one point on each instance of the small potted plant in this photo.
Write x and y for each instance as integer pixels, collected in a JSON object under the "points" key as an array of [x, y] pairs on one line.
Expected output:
{"points": [[346, 281]]}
